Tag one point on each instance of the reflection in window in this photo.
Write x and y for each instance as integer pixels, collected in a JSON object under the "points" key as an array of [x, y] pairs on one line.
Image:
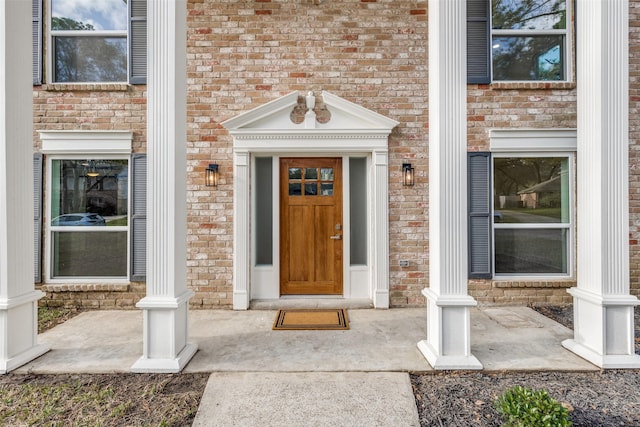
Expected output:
{"points": [[89, 217], [89, 40], [532, 215]]}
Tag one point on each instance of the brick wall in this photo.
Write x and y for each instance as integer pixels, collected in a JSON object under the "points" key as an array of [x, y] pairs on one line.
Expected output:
{"points": [[242, 54]]}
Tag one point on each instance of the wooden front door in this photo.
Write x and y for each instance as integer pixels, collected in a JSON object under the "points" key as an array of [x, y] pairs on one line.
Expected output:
{"points": [[311, 226]]}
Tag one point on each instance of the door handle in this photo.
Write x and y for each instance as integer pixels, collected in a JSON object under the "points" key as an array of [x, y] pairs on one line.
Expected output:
{"points": [[336, 237]]}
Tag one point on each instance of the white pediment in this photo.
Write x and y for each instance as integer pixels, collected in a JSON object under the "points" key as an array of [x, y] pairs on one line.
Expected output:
{"points": [[274, 118]]}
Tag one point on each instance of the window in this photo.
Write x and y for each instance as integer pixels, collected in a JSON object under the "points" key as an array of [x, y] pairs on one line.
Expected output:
{"points": [[89, 217], [532, 213], [521, 205], [95, 208], [529, 40], [99, 41], [518, 40]]}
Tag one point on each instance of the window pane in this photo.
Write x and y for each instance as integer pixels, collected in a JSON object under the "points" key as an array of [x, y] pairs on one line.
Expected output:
{"points": [[311, 189], [90, 59], [528, 58], [295, 173], [326, 174], [528, 14], [295, 189], [531, 251], [89, 15], [311, 173], [86, 254], [89, 192], [358, 210], [264, 211], [531, 190]]}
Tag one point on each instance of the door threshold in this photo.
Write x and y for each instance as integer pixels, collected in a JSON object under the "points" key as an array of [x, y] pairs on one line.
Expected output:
{"points": [[313, 301]]}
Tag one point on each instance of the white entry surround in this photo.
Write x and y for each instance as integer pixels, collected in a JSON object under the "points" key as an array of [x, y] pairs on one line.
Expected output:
{"points": [[351, 131]]}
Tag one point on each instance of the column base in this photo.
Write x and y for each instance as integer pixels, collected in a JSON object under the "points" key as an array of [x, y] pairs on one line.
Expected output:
{"points": [[241, 300], [381, 299], [612, 361], [442, 362], [604, 329], [165, 333], [165, 366], [23, 358], [448, 343], [19, 331]]}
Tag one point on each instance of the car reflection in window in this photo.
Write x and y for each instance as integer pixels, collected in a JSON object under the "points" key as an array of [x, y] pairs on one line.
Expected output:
{"points": [[79, 219]]}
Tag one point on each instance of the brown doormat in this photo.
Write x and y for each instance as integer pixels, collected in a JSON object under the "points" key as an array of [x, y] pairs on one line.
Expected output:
{"points": [[311, 319]]}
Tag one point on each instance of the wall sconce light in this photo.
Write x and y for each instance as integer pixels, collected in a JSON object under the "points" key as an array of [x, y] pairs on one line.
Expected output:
{"points": [[408, 175], [211, 175]]}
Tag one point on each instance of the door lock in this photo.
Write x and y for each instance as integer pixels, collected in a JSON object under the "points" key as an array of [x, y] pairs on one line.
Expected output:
{"points": [[336, 237]]}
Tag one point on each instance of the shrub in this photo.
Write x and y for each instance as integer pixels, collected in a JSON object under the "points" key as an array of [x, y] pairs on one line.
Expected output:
{"points": [[523, 407]]}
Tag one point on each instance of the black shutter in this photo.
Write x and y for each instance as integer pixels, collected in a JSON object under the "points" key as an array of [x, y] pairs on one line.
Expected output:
{"points": [[480, 221], [37, 41], [37, 218], [138, 218], [138, 41], [478, 42]]}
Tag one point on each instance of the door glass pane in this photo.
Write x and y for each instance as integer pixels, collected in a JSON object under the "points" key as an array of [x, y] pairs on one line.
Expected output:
{"points": [[311, 173], [533, 251], [531, 190], [326, 174], [295, 189], [295, 173], [264, 211], [85, 254], [311, 189], [326, 189]]}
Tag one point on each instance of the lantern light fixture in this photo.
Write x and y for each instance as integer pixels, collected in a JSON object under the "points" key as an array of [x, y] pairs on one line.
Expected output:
{"points": [[211, 175], [408, 175]]}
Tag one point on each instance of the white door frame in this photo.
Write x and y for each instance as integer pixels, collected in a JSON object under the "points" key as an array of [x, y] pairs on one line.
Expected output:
{"points": [[352, 130]]}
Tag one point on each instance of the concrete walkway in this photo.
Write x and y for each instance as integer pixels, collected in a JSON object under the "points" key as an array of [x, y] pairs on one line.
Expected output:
{"points": [[265, 377]]}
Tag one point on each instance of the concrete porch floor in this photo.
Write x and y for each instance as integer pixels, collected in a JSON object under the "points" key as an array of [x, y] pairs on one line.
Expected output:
{"points": [[502, 338], [260, 377]]}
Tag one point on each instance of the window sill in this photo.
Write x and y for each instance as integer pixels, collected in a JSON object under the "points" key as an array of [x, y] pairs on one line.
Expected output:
{"points": [[85, 287], [531, 85], [86, 87]]}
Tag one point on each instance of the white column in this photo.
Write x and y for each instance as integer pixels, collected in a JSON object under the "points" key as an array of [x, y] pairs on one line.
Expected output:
{"points": [[448, 343], [603, 307], [241, 235], [18, 299], [380, 236], [166, 304]]}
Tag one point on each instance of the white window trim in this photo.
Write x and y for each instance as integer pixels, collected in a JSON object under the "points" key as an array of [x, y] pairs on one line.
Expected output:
{"points": [[538, 143], [568, 44], [78, 145], [51, 34]]}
